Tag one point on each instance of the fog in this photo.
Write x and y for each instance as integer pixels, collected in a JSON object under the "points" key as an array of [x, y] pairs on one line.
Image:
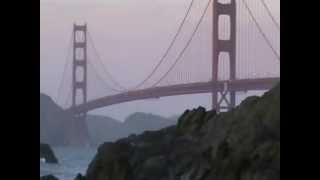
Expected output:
{"points": [[129, 34]]}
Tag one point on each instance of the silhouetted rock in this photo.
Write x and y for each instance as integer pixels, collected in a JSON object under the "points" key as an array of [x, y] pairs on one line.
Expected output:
{"points": [[80, 177], [48, 177], [47, 153], [242, 144]]}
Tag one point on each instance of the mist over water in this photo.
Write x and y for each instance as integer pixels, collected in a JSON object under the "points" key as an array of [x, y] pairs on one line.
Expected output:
{"points": [[71, 162]]}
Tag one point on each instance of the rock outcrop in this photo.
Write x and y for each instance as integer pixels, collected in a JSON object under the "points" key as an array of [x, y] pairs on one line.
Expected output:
{"points": [[48, 177], [47, 153], [242, 144]]}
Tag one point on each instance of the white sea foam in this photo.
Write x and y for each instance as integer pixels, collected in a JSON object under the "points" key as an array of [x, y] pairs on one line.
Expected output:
{"points": [[71, 162]]}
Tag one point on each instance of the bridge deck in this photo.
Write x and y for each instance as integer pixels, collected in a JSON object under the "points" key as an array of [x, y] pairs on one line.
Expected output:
{"points": [[173, 90]]}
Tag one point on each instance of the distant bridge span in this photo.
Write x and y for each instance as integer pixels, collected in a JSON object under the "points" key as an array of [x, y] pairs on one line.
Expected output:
{"points": [[174, 90]]}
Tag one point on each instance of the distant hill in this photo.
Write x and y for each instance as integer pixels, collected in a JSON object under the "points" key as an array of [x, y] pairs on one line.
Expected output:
{"points": [[52, 122], [174, 117], [106, 129], [139, 122], [103, 128], [55, 128]]}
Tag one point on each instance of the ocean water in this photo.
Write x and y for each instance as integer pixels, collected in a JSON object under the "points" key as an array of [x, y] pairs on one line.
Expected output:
{"points": [[71, 162]]}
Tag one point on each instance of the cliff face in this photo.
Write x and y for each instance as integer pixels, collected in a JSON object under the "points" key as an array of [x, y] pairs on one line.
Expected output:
{"points": [[242, 144]]}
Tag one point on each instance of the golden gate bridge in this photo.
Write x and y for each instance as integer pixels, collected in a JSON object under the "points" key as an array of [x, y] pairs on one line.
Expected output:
{"points": [[239, 55]]}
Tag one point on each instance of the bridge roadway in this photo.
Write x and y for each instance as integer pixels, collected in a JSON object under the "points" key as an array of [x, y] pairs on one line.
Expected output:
{"points": [[174, 90]]}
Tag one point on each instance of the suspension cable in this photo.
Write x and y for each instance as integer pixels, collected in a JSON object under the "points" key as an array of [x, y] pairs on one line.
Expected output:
{"points": [[172, 42], [65, 68], [67, 98], [270, 14], [169, 48], [186, 46], [261, 31], [101, 79], [70, 90], [113, 79]]}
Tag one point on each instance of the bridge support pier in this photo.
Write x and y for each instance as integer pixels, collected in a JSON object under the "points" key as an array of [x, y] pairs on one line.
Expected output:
{"points": [[228, 46], [79, 83]]}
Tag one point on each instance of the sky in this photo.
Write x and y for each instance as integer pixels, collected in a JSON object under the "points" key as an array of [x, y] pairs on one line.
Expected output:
{"points": [[130, 36]]}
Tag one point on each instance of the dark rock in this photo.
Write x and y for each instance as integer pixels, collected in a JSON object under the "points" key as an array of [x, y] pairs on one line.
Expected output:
{"points": [[80, 177], [193, 122], [48, 177], [242, 144], [47, 153]]}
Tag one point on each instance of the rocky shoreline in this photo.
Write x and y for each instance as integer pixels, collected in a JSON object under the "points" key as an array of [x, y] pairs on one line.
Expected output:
{"points": [[242, 144], [47, 153]]}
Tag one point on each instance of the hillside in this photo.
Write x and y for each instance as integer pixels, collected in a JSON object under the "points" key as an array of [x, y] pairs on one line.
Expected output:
{"points": [[138, 122], [106, 129], [103, 128]]}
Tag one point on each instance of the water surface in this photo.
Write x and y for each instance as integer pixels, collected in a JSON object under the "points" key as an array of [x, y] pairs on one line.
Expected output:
{"points": [[71, 162]]}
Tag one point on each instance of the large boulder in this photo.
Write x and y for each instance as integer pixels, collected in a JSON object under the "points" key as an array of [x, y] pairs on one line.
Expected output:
{"points": [[242, 144], [48, 177], [47, 153]]}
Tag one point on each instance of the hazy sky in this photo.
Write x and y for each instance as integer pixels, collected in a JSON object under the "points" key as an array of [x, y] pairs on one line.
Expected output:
{"points": [[131, 35]]}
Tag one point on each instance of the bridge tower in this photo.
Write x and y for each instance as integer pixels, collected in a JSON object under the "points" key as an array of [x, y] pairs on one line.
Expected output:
{"points": [[79, 83], [228, 46]]}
